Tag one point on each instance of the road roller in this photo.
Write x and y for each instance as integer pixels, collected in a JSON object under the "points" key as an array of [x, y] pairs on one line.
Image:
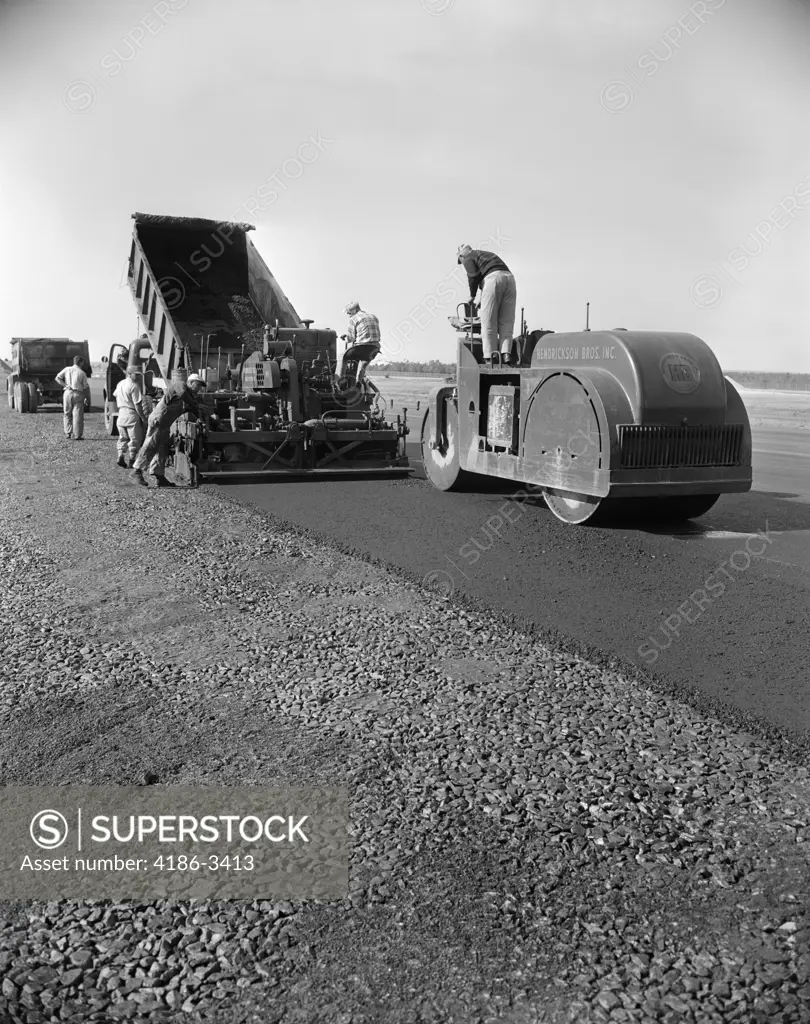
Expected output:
{"points": [[595, 420]]}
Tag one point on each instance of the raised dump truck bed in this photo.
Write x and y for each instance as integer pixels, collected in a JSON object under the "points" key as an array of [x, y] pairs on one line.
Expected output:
{"points": [[201, 282]]}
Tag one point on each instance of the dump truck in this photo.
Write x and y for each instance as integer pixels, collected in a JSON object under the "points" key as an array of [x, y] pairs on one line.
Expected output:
{"points": [[594, 420], [273, 405], [35, 363]]}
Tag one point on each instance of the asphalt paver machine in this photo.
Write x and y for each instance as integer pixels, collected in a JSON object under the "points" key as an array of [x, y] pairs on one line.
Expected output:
{"points": [[273, 406]]}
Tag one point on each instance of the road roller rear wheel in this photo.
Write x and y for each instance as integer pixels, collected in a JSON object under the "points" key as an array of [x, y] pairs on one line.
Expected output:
{"points": [[572, 508], [442, 464], [690, 506]]}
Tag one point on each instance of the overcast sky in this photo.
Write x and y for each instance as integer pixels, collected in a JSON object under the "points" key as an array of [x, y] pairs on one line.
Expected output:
{"points": [[649, 156]]}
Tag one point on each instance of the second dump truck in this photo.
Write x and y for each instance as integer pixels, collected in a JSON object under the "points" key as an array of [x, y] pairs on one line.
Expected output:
{"points": [[273, 405], [35, 363]]}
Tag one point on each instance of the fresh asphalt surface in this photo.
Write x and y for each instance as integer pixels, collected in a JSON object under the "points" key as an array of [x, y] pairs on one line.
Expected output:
{"points": [[607, 590]]}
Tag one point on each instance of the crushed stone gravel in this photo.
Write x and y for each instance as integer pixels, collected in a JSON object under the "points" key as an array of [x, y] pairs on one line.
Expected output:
{"points": [[533, 837]]}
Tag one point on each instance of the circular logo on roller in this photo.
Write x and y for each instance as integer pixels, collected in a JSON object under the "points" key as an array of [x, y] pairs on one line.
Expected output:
{"points": [[680, 372]]}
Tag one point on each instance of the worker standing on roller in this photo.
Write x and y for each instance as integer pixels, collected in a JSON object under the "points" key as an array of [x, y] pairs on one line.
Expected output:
{"points": [[364, 329], [77, 388], [488, 272], [131, 417], [178, 399]]}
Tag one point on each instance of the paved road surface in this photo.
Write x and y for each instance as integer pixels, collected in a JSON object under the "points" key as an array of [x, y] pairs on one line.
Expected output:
{"points": [[782, 461], [610, 589]]}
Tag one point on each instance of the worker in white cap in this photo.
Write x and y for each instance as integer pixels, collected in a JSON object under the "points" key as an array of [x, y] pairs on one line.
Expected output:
{"points": [[131, 420], [363, 329], [178, 399], [488, 272]]}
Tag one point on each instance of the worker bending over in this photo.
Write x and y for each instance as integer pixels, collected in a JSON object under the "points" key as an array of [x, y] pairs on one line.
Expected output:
{"points": [[488, 272], [363, 329], [77, 388], [131, 417], [178, 399]]}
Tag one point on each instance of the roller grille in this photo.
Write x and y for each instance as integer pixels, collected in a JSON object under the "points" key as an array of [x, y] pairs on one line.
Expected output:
{"points": [[671, 447]]}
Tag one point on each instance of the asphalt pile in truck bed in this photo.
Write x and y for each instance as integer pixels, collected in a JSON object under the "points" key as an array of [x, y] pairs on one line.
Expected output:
{"points": [[248, 321], [534, 837]]}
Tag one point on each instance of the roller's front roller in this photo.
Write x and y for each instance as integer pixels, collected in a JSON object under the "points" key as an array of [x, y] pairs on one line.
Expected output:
{"points": [[441, 459]]}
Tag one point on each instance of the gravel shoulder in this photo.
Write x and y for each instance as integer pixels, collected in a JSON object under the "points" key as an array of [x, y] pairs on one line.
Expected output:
{"points": [[535, 838]]}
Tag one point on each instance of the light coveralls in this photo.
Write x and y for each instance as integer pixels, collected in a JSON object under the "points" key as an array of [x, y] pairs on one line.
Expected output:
{"points": [[177, 400], [498, 304], [498, 299], [128, 397], [74, 380]]}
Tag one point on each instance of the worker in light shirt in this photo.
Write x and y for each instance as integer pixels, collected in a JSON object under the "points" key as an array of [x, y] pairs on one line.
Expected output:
{"points": [[131, 417], [77, 387], [178, 399], [363, 329]]}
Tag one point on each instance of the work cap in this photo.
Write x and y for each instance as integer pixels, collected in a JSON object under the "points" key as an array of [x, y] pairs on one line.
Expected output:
{"points": [[352, 307], [133, 369], [195, 378], [464, 250]]}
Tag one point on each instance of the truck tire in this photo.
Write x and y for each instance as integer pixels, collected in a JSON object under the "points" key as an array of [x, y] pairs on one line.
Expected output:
{"points": [[21, 396], [33, 398], [110, 420], [10, 392]]}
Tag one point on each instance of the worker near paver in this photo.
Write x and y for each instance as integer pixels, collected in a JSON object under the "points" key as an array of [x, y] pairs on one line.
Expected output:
{"points": [[488, 272], [178, 399], [131, 417], [363, 329], [77, 388]]}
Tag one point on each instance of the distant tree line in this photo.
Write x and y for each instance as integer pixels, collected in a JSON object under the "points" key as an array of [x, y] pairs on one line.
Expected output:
{"points": [[434, 367], [777, 381]]}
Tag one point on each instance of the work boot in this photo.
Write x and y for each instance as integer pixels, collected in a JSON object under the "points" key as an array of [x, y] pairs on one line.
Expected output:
{"points": [[137, 477], [163, 482], [122, 462]]}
